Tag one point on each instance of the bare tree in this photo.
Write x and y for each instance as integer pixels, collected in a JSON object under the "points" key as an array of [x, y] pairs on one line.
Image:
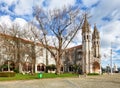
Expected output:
{"points": [[62, 25], [6, 45], [12, 39], [32, 52]]}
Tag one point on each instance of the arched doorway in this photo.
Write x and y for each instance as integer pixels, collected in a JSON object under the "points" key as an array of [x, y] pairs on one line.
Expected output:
{"points": [[96, 67], [12, 66], [9, 65], [41, 67], [70, 68]]}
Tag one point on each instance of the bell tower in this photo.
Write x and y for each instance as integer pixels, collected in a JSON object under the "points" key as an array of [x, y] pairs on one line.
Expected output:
{"points": [[86, 46], [96, 66], [96, 42]]}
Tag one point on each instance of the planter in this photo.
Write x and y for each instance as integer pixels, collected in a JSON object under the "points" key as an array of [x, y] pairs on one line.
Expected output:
{"points": [[7, 74]]}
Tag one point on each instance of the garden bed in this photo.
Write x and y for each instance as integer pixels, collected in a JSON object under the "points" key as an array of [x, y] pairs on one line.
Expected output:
{"points": [[7, 74]]}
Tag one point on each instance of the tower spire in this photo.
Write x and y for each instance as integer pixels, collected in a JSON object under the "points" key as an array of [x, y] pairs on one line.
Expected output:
{"points": [[85, 27], [96, 42], [95, 32]]}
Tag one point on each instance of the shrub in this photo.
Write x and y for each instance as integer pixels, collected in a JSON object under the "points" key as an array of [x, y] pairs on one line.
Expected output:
{"points": [[51, 67], [93, 74], [16, 70], [7, 74]]}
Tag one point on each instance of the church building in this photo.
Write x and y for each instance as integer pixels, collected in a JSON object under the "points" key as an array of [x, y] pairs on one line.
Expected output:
{"points": [[87, 55]]}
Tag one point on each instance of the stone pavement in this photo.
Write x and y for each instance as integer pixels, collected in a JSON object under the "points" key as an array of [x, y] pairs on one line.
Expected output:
{"points": [[82, 82], [40, 83]]}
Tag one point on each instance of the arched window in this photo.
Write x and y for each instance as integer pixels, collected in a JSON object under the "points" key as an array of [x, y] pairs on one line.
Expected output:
{"points": [[12, 66], [40, 67], [9, 64]]}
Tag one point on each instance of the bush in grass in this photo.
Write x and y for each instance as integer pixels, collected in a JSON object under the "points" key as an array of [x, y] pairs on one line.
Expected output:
{"points": [[53, 67], [16, 70], [76, 68], [93, 74], [7, 74], [50, 67], [4, 67]]}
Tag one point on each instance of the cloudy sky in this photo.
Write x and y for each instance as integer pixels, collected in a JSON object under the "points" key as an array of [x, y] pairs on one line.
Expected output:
{"points": [[105, 13]]}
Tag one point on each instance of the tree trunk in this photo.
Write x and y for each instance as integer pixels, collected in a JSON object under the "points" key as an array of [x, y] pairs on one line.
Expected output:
{"points": [[20, 68], [32, 70], [58, 68], [33, 67], [18, 55], [8, 66], [46, 58], [33, 58]]}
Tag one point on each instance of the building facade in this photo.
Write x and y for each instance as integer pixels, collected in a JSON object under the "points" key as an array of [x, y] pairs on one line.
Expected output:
{"points": [[86, 56]]}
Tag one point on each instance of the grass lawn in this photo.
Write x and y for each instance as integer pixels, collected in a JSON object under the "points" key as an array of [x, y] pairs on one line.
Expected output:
{"points": [[35, 76]]}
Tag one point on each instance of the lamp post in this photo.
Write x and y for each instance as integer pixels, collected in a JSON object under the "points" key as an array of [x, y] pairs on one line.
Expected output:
{"points": [[111, 59]]}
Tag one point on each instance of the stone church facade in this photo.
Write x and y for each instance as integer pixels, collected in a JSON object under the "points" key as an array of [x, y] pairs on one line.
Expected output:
{"points": [[85, 56], [91, 49]]}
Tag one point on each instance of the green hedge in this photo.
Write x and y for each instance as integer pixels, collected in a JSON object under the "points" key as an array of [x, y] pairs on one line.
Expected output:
{"points": [[51, 67], [93, 74], [7, 74]]}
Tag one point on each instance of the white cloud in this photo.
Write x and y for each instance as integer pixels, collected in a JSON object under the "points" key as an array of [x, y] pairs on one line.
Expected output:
{"points": [[105, 8], [78, 38], [24, 7], [21, 22], [8, 2], [5, 20], [110, 33], [89, 3], [56, 4]]}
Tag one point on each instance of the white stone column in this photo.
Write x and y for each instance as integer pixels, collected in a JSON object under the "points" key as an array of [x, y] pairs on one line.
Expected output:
{"points": [[91, 70], [35, 68]]}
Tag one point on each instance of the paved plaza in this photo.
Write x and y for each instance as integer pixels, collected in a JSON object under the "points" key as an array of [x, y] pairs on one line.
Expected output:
{"points": [[104, 81]]}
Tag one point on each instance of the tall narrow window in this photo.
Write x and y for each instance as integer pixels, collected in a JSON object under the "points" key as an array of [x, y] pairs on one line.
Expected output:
{"points": [[41, 52], [84, 36], [97, 42], [87, 36]]}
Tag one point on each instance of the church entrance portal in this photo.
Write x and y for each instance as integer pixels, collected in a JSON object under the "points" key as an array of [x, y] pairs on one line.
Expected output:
{"points": [[96, 67]]}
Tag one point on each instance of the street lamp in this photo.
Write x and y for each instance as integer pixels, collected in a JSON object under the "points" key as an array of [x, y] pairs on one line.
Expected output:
{"points": [[111, 59]]}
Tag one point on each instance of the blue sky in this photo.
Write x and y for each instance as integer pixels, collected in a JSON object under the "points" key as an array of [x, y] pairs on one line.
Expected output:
{"points": [[105, 13]]}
